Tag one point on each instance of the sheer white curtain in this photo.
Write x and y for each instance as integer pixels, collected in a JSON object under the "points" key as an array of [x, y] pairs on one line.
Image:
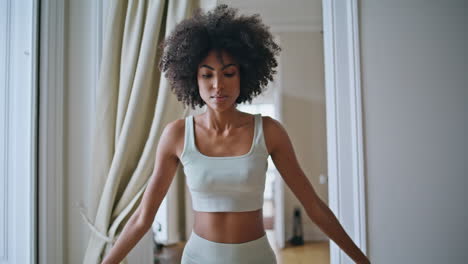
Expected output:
{"points": [[133, 104]]}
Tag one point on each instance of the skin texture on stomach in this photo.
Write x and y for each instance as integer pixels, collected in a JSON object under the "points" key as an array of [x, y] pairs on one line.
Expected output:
{"points": [[229, 227]]}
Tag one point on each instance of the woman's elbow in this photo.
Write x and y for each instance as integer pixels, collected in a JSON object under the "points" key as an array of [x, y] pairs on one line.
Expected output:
{"points": [[142, 220]]}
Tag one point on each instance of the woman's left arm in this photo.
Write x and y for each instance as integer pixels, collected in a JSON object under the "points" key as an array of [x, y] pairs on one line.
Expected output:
{"points": [[284, 158]]}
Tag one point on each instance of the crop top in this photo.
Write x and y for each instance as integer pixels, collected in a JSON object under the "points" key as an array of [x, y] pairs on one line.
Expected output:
{"points": [[225, 184]]}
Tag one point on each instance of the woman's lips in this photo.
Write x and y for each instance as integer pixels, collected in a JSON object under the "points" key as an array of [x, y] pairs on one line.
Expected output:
{"points": [[220, 99]]}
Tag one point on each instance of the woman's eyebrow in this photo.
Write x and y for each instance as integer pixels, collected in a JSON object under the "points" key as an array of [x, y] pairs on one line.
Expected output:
{"points": [[204, 65], [224, 67], [230, 64]]}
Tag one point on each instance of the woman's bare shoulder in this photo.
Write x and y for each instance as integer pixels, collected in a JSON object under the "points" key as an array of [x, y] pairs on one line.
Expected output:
{"points": [[272, 129], [270, 124], [177, 124], [175, 132]]}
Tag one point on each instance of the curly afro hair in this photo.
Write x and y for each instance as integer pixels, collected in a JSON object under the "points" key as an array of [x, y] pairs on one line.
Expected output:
{"points": [[245, 38]]}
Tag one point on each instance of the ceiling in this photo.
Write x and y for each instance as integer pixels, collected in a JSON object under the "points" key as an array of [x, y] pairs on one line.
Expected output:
{"points": [[281, 15]]}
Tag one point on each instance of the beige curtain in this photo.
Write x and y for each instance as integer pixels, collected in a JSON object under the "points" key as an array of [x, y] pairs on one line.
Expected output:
{"points": [[133, 104]]}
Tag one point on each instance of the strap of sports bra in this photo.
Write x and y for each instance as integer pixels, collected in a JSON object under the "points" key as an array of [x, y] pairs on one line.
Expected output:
{"points": [[260, 144], [257, 128], [189, 144]]}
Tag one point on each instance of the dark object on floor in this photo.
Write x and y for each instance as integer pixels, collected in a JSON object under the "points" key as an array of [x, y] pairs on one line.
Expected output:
{"points": [[298, 238], [159, 246]]}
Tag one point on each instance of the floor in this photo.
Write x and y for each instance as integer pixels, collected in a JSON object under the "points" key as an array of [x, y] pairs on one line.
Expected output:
{"points": [[316, 253]]}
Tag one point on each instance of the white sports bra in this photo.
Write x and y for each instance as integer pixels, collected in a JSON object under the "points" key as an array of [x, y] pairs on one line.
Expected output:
{"points": [[225, 184]]}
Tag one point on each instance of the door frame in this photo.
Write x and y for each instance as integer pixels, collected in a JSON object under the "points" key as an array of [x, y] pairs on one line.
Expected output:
{"points": [[18, 130], [346, 187]]}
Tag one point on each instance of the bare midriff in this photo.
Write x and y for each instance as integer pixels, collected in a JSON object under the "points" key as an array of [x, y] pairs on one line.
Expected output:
{"points": [[229, 227]]}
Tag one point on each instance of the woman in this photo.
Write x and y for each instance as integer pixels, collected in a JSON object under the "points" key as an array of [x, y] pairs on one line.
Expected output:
{"points": [[219, 59]]}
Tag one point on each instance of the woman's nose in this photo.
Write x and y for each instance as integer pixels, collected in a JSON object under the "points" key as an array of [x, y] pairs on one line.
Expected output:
{"points": [[218, 82]]}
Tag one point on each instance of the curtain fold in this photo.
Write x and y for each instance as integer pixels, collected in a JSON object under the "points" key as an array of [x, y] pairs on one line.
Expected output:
{"points": [[133, 104]]}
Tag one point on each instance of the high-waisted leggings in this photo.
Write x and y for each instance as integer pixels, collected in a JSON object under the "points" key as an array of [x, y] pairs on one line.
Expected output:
{"points": [[199, 250]]}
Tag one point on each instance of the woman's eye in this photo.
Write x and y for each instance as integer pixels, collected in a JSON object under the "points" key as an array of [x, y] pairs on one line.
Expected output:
{"points": [[206, 76]]}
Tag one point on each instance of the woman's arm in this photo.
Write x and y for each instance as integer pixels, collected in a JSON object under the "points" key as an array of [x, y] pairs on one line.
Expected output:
{"points": [[131, 234], [164, 171], [284, 157]]}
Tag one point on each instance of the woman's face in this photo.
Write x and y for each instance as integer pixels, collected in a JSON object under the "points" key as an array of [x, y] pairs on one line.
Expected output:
{"points": [[218, 83]]}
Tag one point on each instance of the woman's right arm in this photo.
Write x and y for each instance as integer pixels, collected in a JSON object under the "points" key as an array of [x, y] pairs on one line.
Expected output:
{"points": [[164, 171]]}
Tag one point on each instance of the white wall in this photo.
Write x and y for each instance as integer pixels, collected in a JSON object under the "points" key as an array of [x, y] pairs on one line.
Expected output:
{"points": [[415, 94], [303, 111]]}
